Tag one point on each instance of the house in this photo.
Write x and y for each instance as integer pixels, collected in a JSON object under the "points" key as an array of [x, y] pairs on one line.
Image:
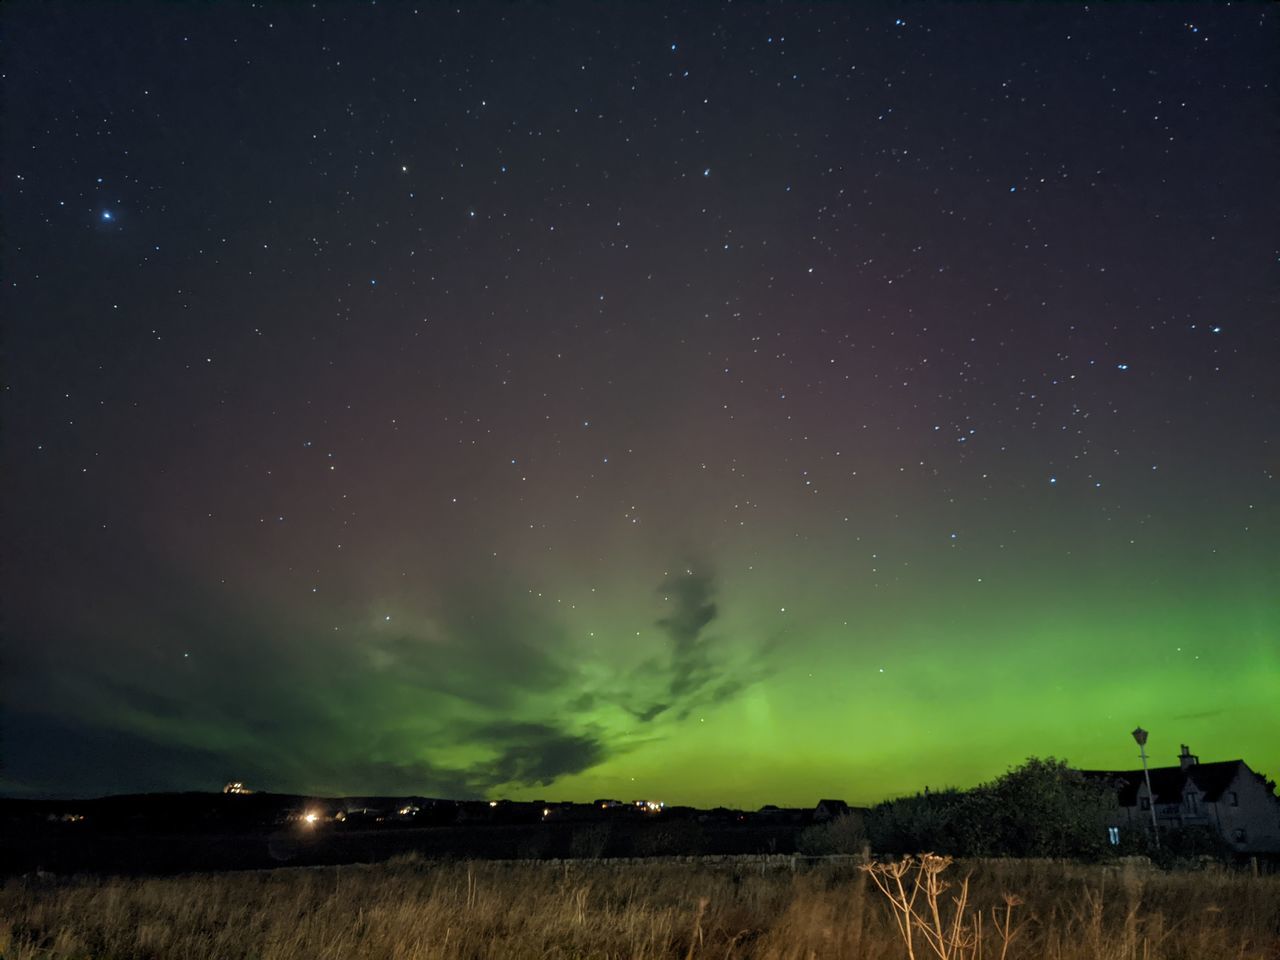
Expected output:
{"points": [[829, 810], [721, 815], [1225, 796], [773, 814]]}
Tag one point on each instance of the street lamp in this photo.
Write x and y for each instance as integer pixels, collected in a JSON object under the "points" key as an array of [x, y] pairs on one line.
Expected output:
{"points": [[1140, 736]]}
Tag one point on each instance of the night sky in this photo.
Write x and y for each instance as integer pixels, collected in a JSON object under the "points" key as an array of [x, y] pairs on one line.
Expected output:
{"points": [[740, 405]]}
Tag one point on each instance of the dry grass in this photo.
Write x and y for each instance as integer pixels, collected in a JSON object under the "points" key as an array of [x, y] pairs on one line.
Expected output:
{"points": [[412, 909]]}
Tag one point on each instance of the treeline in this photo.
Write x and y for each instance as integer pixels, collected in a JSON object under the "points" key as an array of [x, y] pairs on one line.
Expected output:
{"points": [[1040, 809]]}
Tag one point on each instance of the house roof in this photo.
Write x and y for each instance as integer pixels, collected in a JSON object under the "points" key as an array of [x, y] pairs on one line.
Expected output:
{"points": [[1214, 778], [1169, 783], [834, 804]]}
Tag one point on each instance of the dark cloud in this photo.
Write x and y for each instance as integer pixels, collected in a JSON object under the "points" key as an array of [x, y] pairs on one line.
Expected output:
{"points": [[233, 691], [394, 777], [535, 754], [1203, 715], [63, 757], [697, 671], [158, 704], [491, 660], [693, 612], [241, 692], [651, 712]]}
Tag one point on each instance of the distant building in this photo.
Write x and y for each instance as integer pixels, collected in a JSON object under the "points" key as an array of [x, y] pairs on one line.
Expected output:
{"points": [[773, 814], [1225, 796], [235, 786], [476, 811], [724, 815], [830, 810]]}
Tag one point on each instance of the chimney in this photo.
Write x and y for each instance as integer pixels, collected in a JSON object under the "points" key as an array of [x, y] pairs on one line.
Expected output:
{"points": [[1186, 758]]}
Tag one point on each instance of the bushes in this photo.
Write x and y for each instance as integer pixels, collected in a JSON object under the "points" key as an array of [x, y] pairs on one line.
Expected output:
{"points": [[672, 839], [590, 841], [913, 824], [844, 834], [1041, 809], [1190, 844]]}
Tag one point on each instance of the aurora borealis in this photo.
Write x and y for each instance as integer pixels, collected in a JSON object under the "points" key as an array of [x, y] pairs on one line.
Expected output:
{"points": [[741, 405]]}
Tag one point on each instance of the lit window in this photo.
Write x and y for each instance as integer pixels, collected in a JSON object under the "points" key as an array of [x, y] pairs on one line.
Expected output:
{"points": [[1113, 835]]}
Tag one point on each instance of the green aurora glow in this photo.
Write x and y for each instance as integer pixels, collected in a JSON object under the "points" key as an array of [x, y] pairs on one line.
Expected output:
{"points": [[455, 406]]}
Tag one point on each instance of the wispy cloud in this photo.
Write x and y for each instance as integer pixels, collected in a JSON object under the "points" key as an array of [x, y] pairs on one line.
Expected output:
{"points": [[481, 696], [699, 669]]}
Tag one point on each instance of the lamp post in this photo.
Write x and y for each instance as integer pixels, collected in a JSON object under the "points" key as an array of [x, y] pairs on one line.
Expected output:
{"points": [[1140, 736]]}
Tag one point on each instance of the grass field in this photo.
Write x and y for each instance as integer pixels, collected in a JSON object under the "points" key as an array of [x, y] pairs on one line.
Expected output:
{"points": [[411, 908]]}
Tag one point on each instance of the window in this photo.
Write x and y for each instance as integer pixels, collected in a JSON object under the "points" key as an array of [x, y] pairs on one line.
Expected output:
{"points": [[1238, 835], [1233, 799], [1192, 802], [1145, 803], [1113, 835]]}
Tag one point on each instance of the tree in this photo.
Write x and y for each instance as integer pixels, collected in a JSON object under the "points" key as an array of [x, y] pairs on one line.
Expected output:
{"points": [[915, 824], [1040, 809]]}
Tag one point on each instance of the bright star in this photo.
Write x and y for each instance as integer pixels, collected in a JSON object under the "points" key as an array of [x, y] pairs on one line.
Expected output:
{"points": [[108, 216]]}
